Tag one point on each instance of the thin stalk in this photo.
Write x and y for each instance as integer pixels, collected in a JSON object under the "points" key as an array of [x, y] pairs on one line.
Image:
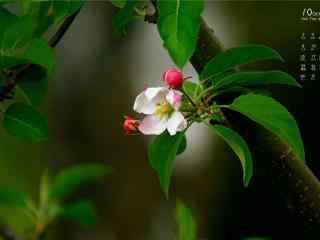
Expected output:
{"points": [[189, 98], [204, 92]]}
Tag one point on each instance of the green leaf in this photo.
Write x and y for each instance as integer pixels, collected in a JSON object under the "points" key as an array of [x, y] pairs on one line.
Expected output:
{"points": [[18, 34], [178, 25], [2, 2], [51, 12], [38, 52], [82, 212], [256, 79], [6, 19], [44, 191], [25, 5], [19, 46], [10, 197], [10, 61], [57, 10], [119, 3], [42, 12], [24, 122], [69, 180], [63, 9], [182, 145], [273, 116], [124, 16], [191, 88], [34, 84], [237, 56], [240, 147], [186, 223], [217, 115], [162, 153]]}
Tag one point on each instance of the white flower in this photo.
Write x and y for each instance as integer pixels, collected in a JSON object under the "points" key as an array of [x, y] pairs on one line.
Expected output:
{"points": [[162, 107]]}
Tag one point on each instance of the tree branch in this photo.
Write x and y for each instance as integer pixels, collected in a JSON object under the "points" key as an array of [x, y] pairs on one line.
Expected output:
{"points": [[290, 175]]}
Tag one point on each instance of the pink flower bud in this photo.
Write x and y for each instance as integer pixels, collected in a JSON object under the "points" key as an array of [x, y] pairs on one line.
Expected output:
{"points": [[173, 78], [130, 125]]}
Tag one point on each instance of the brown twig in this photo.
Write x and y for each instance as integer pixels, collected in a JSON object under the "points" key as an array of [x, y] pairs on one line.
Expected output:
{"points": [[152, 17]]}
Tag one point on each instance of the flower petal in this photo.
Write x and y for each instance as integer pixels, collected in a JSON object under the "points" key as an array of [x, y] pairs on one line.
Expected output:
{"points": [[147, 101], [174, 97], [176, 123], [156, 93], [152, 125], [143, 105]]}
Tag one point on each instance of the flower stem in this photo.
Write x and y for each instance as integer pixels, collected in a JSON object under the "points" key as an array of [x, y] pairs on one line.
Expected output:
{"points": [[189, 98], [204, 92]]}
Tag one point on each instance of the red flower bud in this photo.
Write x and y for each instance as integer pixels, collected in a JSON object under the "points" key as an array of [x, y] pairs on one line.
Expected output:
{"points": [[130, 125], [173, 78]]}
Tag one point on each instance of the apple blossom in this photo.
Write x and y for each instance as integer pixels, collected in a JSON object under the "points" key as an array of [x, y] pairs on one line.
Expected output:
{"points": [[161, 105], [173, 78], [130, 125]]}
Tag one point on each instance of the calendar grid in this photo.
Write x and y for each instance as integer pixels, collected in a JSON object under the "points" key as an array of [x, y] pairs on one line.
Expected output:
{"points": [[309, 56]]}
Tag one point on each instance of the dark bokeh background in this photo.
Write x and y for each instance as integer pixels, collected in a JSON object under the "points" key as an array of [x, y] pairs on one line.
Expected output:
{"points": [[96, 81]]}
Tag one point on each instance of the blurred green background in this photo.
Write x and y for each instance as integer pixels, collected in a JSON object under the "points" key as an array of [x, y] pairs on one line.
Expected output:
{"points": [[94, 86]]}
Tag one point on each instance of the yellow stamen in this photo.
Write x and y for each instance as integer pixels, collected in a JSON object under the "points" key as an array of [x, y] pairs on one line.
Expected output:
{"points": [[163, 110]]}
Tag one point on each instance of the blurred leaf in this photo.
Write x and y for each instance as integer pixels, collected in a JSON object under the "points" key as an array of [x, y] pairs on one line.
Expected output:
{"points": [[123, 17], [44, 191], [162, 153], [240, 147], [12, 34], [178, 25], [38, 52], [182, 145], [63, 9], [6, 19], [217, 115], [67, 181], [82, 212], [51, 12], [191, 88], [18, 46], [41, 12], [237, 56], [186, 223], [2, 2], [119, 3], [18, 34], [25, 5], [24, 122], [34, 84], [273, 116], [255, 79], [10, 61], [56, 10], [10, 197]]}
